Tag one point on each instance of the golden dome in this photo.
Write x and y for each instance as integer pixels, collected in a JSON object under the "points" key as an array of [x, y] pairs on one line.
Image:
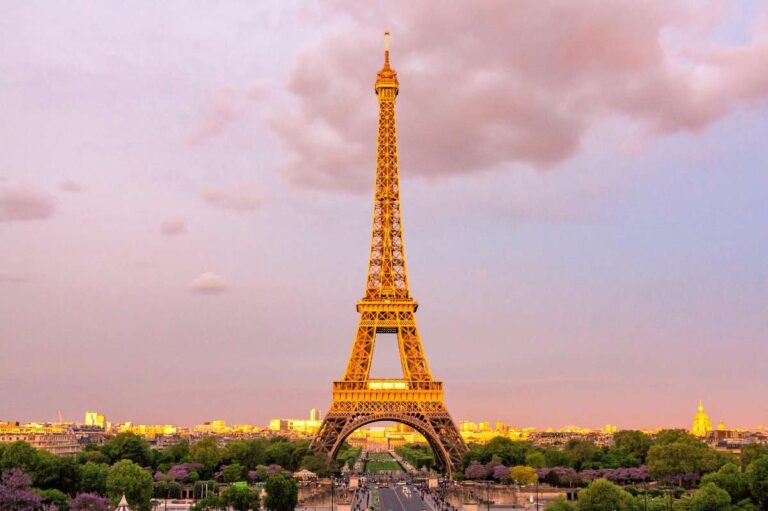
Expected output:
{"points": [[701, 422]]}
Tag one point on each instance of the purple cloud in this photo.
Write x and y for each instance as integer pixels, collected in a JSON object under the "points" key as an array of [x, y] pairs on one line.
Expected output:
{"points": [[173, 227], [20, 204], [70, 186], [241, 202]]}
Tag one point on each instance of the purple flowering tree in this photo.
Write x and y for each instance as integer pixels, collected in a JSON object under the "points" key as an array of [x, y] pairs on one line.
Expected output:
{"points": [[501, 473], [15, 494], [475, 470], [89, 502], [274, 469]]}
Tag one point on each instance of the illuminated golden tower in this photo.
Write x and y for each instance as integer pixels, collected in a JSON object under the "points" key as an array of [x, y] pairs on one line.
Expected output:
{"points": [[701, 424], [388, 308]]}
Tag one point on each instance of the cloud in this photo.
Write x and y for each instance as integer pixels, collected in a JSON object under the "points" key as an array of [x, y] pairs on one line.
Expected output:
{"points": [[173, 227], [209, 284], [224, 106], [9, 278], [20, 204], [242, 202], [522, 83], [70, 186]]}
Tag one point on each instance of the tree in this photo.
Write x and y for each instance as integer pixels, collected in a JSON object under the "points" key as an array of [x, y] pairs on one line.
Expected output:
{"points": [[280, 453], [54, 498], [19, 455], [89, 502], [15, 494], [475, 470], [208, 454], [535, 459], [232, 473], [603, 495], [93, 478], [581, 451], [557, 458], [750, 453], [56, 472], [249, 453], [282, 493], [316, 463], [126, 477], [757, 477], [676, 453], [240, 498], [501, 473], [209, 503], [128, 446], [635, 443], [730, 479], [710, 498], [523, 475], [559, 504]]}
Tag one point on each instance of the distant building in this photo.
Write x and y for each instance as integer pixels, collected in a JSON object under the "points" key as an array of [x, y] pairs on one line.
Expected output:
{"points": [[701, 424], [315, 415], [95, 419]]}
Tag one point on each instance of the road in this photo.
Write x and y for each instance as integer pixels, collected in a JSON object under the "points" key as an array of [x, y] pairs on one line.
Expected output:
{"points": [[393, 499]]}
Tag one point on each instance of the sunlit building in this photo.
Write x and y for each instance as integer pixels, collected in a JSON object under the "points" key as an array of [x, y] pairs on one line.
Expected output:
{"points": [[701, 424]]}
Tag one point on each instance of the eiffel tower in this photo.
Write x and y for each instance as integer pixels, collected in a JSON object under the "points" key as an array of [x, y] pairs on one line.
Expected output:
{"points": [[387, 307]]}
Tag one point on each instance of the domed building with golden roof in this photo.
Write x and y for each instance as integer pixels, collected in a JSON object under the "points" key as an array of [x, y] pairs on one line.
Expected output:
{"points": [[701, 423]]}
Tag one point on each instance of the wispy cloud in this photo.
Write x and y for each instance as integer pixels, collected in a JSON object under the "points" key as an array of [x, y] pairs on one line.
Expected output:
{"points": [[209, 284], [225, 106], [239, 201], [22, 204], [173, 227], [70, 186], [10, 278]]}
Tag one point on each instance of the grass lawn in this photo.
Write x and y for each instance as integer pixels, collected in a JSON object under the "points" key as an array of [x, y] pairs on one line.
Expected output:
{"points": [[382, 462]]}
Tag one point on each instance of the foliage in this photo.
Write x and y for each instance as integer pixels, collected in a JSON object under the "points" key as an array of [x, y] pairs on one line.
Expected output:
{"points": [[126, 477], [56, 472], [677, 453], [209, 503], [316, 463], [475, 470], [347, 455], [757, 478], [503, 473], [54, 498], [19, 455], [93, 478], [580, 452], [89, 502], [128, 446], [710, 498], [207, 454], [166, 490], [418, 455], [15, 494], [523, 475], [250, 453], [635, 443], [730, 479], [282, 493], [603, 495], [232, 473], [560, 504], [535, 459], [750, 453], [240, 498]]}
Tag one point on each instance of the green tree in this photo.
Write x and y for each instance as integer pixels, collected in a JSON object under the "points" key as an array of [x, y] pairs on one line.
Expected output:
{"points": [[523, 475], [557, 458], [757, 477], [316, 463], [602, 495], [240, 498], [535, 459], [210, 503], [128, 446], [581, 452], [710, 498], [19, 455], [560, 504], [56, 472], [677, 452], [750, 453], [282, 493], [280, 453], [633, 442], [126, 477], [208, 453], [232, 473], [730, 479], [93, 478], [54, 497], [249, 453]]}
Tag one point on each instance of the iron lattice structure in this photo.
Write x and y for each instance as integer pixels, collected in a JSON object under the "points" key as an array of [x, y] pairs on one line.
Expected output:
{"points": [[387, 307]]}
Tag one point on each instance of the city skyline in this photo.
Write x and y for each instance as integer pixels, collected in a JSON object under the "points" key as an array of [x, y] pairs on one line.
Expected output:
{"points": [[582, 256]]}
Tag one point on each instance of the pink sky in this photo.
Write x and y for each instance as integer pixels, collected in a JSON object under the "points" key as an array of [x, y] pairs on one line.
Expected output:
{"points": [[185, 206]]}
